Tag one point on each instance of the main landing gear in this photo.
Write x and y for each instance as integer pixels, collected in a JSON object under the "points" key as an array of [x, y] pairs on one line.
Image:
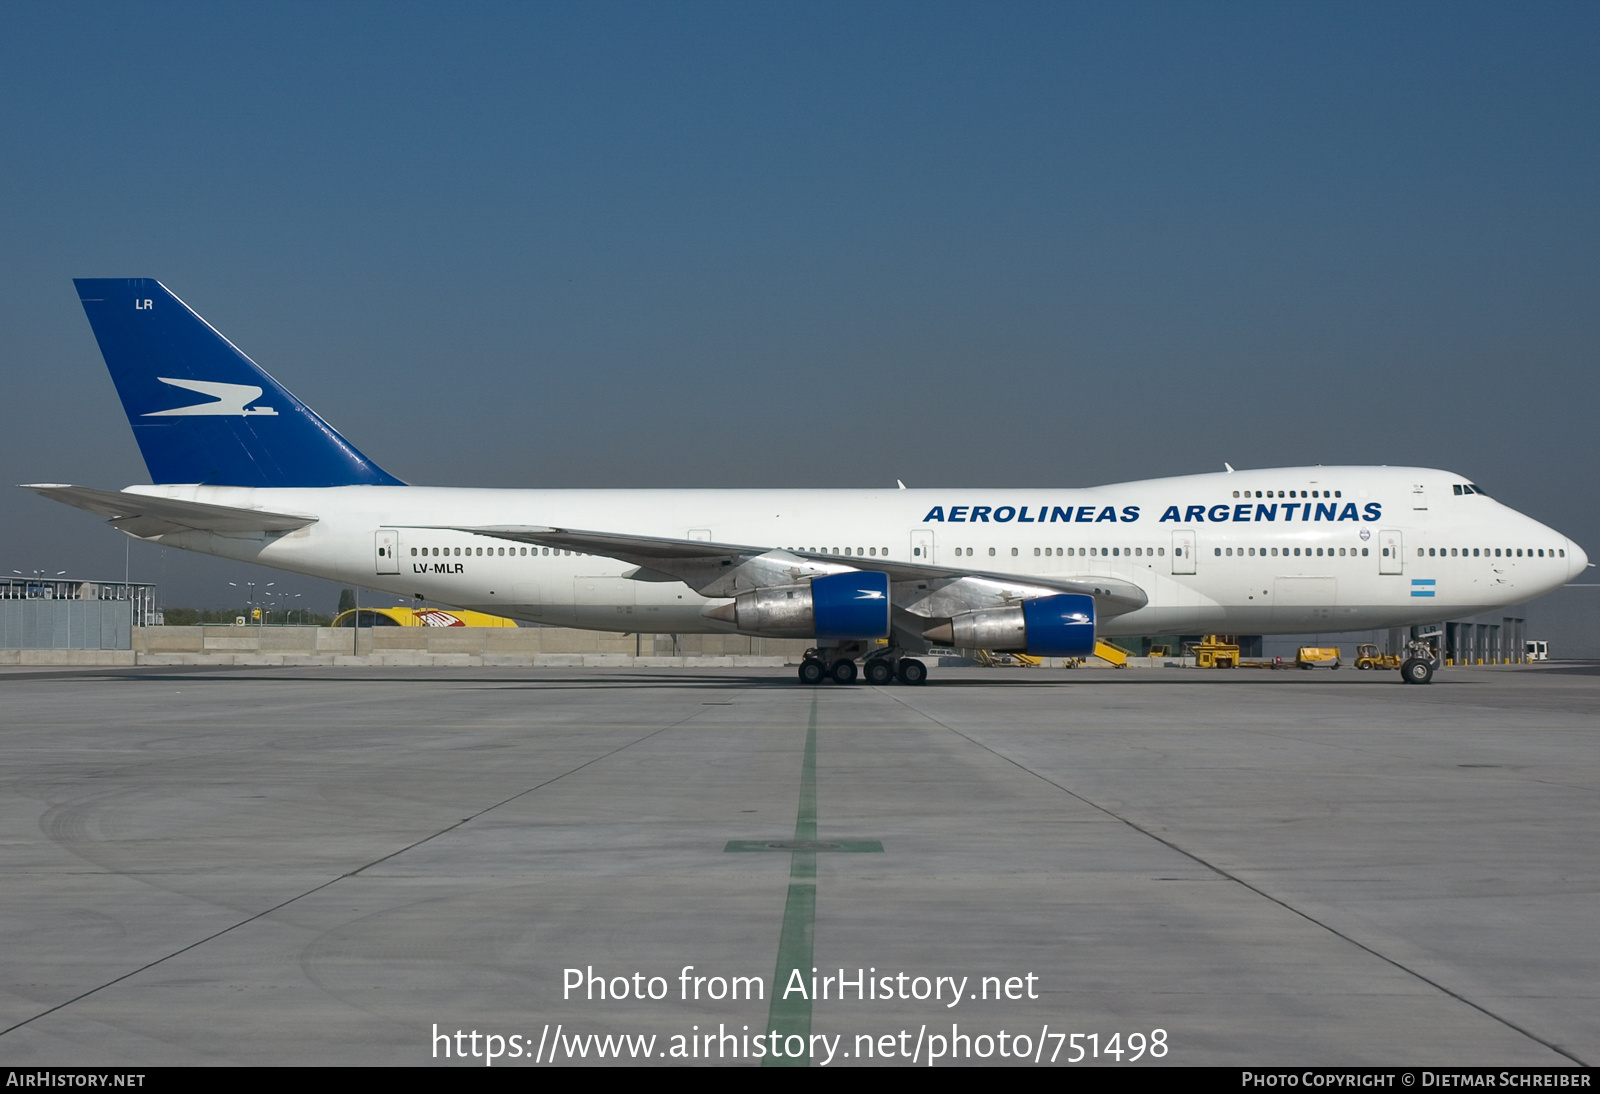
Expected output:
{"points": [[880, 670]]}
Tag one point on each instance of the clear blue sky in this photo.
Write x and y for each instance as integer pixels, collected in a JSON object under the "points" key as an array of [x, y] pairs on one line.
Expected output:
{"points": [[784, 245]]}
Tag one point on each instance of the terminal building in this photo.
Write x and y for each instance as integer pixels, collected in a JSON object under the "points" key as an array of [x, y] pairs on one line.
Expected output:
{"points": [[1480, 640]]}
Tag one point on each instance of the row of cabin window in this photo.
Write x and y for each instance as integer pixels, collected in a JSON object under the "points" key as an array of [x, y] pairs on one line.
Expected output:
{"points": [[1464, 552], [863, 551], [1104, 552], [433, 552], [1300, 493], [1353, 552]]}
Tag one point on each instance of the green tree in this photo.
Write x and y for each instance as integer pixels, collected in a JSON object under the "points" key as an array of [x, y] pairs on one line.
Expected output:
{"points": [[347, 599]]}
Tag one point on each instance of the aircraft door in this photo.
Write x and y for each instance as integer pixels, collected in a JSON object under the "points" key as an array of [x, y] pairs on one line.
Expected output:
{"points": [[922, 545], [1183, 552], [1389, 544], [386, 551]]}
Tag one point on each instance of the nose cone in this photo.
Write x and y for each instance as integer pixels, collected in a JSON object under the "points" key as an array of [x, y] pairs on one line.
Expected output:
{"points": [[1578, 561]]}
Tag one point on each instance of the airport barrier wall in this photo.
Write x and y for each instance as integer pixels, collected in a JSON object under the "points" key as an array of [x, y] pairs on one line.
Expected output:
{"points": [[66, 625], [459, 646]]}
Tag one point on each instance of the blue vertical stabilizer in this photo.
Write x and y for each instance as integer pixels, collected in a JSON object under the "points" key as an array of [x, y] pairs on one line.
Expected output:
{"points": [[201, 410]]}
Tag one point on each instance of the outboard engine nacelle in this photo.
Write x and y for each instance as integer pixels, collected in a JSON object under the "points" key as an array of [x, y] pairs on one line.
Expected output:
{"points": [[845, 606], [1046, 626]]}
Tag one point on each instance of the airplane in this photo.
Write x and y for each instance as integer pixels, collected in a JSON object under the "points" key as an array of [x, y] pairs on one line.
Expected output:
{"points": [[243, 470]]}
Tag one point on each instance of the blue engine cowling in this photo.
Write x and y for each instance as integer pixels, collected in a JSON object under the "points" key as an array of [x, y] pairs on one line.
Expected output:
{"points": [[852, 605], [1047, 626], [842, 607], [1060, 626]]}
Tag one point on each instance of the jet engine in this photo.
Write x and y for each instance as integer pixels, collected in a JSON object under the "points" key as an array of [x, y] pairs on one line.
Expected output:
{"points": [[1046, 626], [846, 606]]}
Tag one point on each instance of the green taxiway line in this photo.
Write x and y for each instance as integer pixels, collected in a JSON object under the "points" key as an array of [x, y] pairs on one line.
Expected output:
{"points": [[792, 1016]]}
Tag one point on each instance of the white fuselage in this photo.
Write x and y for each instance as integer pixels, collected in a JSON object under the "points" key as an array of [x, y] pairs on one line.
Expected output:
{"points": [[1283, 550]]}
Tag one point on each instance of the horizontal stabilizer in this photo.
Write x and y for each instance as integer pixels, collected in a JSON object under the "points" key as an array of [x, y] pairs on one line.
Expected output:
{"points": [[144, 516]]}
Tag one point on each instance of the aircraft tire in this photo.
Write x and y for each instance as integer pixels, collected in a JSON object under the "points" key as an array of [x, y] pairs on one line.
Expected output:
{"points": [[811, 672], [912, 671], [879, 672], [1417, 670], [843, 672]]}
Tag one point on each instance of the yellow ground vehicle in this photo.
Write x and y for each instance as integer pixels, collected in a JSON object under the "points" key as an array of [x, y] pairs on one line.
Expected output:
{"points": [[992, 660], [1311, 656], [1214, 651], [419, 617], [1368, 657], [1111, 654]]}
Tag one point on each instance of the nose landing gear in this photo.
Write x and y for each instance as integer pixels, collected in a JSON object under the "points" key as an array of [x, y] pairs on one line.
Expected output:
{"points": [[1417, 670]]}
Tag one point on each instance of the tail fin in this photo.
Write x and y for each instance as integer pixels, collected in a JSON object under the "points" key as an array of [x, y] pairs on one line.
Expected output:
{"points": [[201, 410]]}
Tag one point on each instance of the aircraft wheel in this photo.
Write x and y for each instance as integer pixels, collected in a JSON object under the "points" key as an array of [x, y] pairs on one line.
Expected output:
{"points": [[879, 672], [843, 672], [1417, 670], [912, 671], [811, 672]]}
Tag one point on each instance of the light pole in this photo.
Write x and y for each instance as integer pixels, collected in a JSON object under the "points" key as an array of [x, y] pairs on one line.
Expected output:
{"points": [[250, 597]]}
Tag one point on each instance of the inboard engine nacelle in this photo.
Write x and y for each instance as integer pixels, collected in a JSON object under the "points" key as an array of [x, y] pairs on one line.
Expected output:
{"points": [[846, 606], [1046, 626]]}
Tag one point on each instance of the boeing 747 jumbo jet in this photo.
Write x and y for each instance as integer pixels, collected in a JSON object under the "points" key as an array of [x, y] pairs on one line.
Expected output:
{"points": [[244, 470]]}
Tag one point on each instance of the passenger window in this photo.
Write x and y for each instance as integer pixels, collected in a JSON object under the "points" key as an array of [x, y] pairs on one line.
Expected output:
{"points": [[1162, 551], [1219, 551], [1036, 552], [991, 552]]}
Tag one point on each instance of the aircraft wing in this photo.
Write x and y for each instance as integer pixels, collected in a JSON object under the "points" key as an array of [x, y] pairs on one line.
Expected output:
{"points": [[145, 517], [727, 569]]}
